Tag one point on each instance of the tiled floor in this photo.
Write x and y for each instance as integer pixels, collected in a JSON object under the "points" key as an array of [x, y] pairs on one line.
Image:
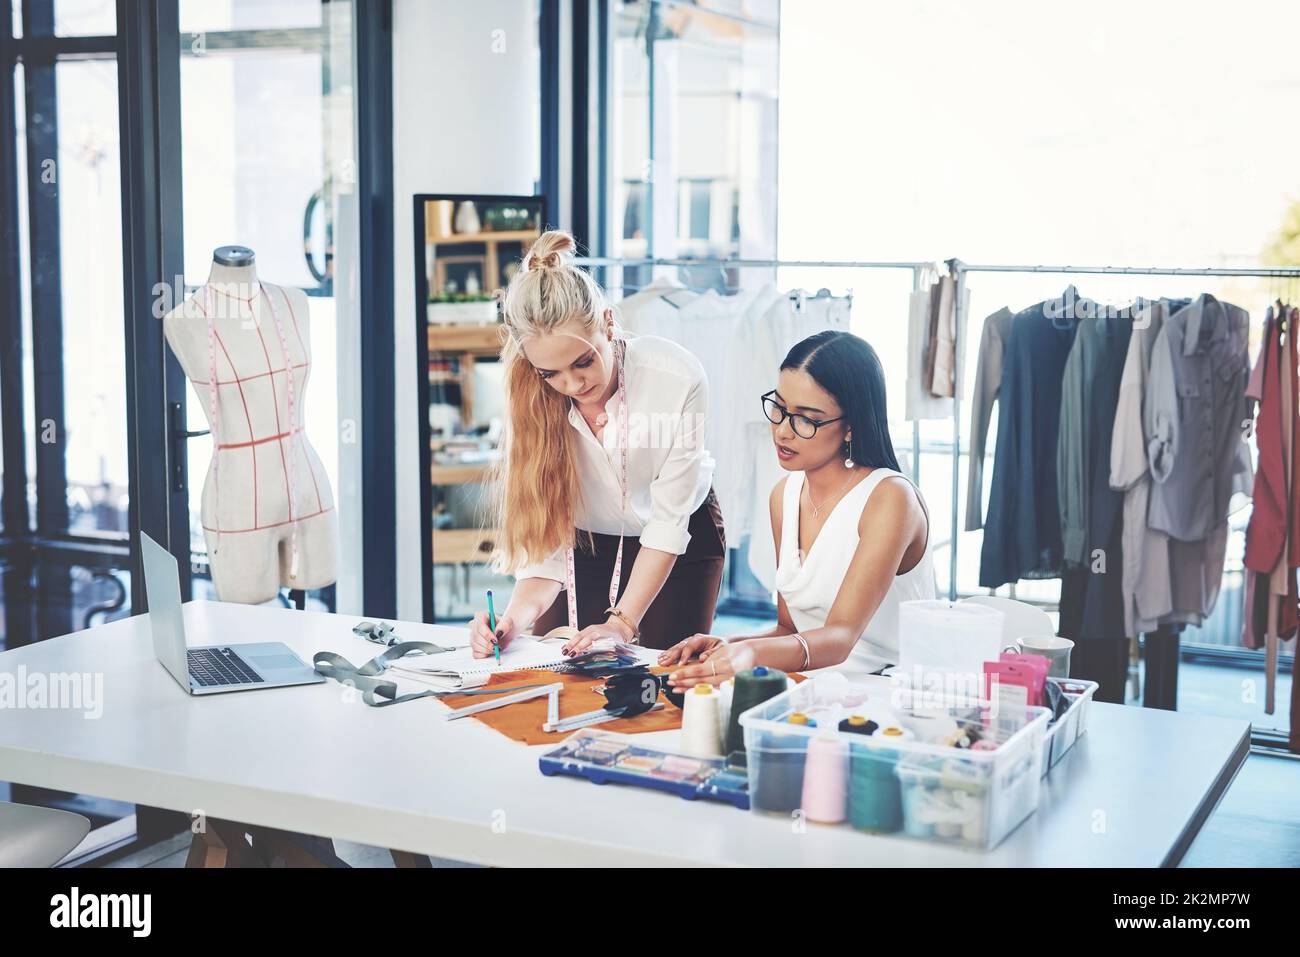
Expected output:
{"points": [[1258, 822]]}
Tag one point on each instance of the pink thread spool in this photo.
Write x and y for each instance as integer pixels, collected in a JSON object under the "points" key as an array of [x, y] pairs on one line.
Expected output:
{"points": [[826, 781]]}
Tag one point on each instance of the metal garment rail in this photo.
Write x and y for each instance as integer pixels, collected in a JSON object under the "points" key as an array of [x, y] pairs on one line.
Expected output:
{"points": [[958, 270]]}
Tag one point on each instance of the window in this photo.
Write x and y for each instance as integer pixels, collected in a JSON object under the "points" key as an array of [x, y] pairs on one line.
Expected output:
{"points": [[909, 131], [268, 162], [692, 129]]}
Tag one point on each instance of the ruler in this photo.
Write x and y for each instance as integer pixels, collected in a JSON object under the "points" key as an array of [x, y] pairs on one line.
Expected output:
{"points": [[551, 691], [589, 718]]}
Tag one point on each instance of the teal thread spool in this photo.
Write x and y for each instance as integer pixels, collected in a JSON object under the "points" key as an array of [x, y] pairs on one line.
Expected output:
{"points": [[875, 794], [753, 687], [777, 766]]}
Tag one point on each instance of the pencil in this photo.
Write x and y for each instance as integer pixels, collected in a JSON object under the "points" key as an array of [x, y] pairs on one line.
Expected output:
{"points": [[492, 623]]}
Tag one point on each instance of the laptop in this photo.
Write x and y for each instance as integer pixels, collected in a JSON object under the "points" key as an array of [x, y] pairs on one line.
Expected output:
{"points": [[215, 668]]}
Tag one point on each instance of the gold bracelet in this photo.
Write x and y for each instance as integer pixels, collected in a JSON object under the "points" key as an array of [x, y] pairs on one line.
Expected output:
{"points": [[625, 619]]}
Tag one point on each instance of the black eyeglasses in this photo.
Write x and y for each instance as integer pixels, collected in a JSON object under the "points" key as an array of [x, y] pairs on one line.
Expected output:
{"points": [[803, 426]]}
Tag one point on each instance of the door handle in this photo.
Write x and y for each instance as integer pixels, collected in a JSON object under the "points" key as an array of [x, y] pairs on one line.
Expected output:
{"points": [[179, 436]]}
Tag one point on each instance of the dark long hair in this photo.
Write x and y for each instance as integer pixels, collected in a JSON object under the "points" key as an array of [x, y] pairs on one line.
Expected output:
{"points": [[849, 369]]}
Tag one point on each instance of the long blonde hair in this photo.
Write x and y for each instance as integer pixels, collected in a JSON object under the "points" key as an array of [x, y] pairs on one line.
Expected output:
{"points": [[537, 487]]}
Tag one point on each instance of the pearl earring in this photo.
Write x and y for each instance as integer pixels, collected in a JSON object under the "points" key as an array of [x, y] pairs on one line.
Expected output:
{"points": [[848, 456]]}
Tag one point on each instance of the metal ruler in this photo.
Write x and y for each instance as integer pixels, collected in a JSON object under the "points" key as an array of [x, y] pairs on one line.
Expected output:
{"points": [[552, 691], [589, 718]]}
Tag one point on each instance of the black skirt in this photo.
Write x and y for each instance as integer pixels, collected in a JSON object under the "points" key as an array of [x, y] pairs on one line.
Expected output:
{"points": [[683, 607]]}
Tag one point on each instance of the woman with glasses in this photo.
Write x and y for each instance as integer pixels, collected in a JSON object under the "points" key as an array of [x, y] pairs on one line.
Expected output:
{"points": [[852, 532], [606, 508]]}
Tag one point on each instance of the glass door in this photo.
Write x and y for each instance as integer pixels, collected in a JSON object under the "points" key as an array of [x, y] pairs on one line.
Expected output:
{"points": [[65, 558]]}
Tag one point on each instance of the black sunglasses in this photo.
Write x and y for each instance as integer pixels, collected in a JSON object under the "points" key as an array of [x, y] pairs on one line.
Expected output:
{"points": [[803, 426]]}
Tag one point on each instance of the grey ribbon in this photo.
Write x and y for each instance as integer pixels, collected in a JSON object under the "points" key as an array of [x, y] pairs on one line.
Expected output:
{"points": [[334, 666]]}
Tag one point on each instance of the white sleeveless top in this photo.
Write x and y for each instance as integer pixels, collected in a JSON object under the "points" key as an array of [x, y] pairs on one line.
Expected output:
{"points": [[809, 587]]}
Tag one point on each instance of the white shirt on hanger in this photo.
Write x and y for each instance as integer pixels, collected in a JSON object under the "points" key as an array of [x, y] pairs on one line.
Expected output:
{"points": [[779, 328], [669, 467]]}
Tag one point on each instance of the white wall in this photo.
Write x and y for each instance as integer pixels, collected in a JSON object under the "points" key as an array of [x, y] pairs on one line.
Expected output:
{"points": [[465, 87]]}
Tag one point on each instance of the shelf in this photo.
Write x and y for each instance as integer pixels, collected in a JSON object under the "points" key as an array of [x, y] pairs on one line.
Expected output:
{"points": [[482, 339], [459, 474], [503, 236], [455, 546]]}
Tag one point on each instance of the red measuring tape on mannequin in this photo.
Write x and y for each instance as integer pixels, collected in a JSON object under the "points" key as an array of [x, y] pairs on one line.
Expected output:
{"points": [[290, 463]]}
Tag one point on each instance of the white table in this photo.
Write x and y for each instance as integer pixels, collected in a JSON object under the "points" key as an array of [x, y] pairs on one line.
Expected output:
{"points": [[1134, 790]]}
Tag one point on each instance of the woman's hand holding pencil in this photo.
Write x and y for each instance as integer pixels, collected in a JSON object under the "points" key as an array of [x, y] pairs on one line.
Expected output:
{"points": [[486, 640]]}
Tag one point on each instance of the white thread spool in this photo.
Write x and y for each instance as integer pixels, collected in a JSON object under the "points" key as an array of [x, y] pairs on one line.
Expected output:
{"points": [[724, 702], [702, 722]]}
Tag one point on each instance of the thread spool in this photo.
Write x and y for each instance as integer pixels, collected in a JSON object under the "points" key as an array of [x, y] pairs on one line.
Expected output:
{"points": [[724, 701], [875, 794], [932, 727], [701, 723], [857, 724], [753, 687], [825, 781], [894, 732], [776, 768]]}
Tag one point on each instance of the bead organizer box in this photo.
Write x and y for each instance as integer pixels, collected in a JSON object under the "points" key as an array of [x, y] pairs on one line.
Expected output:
{"points": [[607, 758], [889, 762]]}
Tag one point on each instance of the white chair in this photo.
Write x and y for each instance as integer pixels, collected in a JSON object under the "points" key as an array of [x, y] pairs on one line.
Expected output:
{"points": [[38, 836], [1019, 619]]}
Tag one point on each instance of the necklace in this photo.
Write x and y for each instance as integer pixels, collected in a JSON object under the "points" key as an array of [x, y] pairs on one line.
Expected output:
{"points": [[817, 509]]}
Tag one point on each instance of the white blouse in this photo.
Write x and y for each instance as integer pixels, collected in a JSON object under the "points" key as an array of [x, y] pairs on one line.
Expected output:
{"points": [[669, 471], [810, 583]]}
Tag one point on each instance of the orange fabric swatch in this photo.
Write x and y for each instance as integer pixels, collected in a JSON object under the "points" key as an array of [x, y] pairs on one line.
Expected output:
{"points": [[523, 721]]}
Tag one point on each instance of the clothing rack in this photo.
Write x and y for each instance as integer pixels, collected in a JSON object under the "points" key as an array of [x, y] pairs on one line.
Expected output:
{"points": [[958, 270]]}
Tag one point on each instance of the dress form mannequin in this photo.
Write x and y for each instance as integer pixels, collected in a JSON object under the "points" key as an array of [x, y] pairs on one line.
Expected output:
{"points": [[267, 510]]}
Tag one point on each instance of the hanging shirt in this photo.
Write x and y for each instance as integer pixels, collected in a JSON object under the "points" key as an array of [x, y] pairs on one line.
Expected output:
{"points": [[1196, 418], [1266, 534], [1089, 395], [941, 354], [1274, 528], [711, 327], [742, 428], [1092, 599], [929, 342], [988, 380], [1022, 535], [669, 468], [778, 329], [1154, 566]]}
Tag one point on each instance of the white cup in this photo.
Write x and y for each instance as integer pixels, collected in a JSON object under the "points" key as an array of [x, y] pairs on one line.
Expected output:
{"points": [[1055, 649]]}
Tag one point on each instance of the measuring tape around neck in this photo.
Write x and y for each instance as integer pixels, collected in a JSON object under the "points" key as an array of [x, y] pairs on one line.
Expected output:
{"points": [[570, 575]]}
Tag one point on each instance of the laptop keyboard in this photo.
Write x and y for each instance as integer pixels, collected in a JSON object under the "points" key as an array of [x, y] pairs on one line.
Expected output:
{"points": [[220, 666]]}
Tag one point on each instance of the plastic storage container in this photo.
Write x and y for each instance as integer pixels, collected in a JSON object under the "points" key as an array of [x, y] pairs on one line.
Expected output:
{"points": [[901, 779], [1070, 726]]}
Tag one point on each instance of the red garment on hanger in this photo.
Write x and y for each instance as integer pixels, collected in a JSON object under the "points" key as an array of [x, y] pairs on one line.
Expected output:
{"points": [[1289, 620], [1266, 534], [1273, 534]]}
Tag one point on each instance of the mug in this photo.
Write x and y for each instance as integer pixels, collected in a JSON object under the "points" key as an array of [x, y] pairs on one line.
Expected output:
{"points": [[1053, 648]]}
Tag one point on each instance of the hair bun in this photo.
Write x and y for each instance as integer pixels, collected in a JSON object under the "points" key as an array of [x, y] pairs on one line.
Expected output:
{"points": [[550, 250]]}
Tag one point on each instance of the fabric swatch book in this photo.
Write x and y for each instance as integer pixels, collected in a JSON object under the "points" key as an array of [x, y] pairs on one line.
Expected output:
{"points": [[459, 670]]}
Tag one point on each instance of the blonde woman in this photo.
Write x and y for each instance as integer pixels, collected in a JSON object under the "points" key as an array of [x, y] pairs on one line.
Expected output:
{"points": [[606, 507]]}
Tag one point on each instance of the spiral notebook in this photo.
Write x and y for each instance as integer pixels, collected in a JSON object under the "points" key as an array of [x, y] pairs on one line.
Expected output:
{"points": [[459, 670]]}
